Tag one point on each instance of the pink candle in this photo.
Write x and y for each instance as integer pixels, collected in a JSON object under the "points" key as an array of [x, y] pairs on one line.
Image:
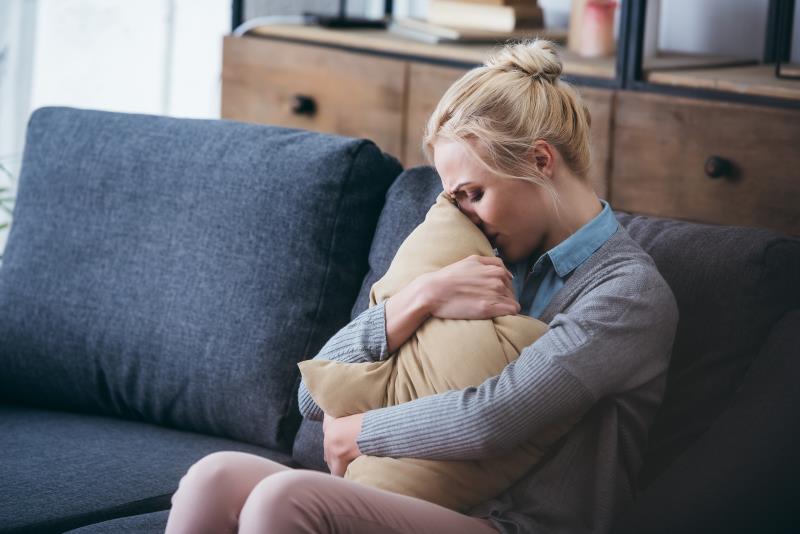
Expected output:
{"points": [[597, 36]]}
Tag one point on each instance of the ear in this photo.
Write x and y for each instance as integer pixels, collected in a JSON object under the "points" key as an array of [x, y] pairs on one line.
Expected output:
{"points": [[544, 156]]}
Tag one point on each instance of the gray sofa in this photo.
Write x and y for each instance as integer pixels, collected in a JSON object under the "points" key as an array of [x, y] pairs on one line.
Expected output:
{"points": [[163, 276]]}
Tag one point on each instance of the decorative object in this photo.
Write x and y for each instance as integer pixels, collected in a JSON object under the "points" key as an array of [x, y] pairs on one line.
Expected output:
{"points": [[575, 25], [428, 32], [597, 28], [503, 17]]}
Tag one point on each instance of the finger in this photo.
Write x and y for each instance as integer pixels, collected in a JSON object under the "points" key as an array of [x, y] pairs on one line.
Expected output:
{"points": [[510, 285], [506, 275], [509, 307], [500, 281], [496, 308], [490, 260], [496, 262]]}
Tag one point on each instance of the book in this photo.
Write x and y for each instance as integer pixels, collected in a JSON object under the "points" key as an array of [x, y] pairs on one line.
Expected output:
{"points": [[425, 31], [501, 2], [500, 18]]}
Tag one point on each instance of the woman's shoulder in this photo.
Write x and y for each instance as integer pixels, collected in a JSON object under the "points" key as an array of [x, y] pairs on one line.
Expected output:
{"points": [[621, 266], [623, 255]]}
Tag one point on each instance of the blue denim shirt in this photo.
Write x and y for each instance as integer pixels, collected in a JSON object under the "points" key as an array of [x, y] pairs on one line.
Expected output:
{"points": [[551, 269]]}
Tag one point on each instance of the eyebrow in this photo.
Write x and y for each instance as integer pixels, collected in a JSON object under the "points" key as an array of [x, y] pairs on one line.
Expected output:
{"points": [[459, 186]]}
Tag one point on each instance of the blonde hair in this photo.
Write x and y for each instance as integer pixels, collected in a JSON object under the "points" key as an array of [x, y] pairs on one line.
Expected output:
{"points": [[515, 98]]}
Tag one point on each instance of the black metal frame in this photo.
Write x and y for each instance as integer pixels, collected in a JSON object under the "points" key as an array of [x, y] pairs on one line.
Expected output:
{"points": [[780, 25], [237, 13], [629, 71], [778, 41]]}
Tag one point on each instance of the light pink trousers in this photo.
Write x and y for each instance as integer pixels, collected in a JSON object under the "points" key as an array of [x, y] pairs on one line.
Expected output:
{"points": [[231, 491]]}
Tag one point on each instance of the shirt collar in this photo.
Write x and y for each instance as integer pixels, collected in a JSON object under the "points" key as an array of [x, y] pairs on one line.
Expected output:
{"points": [[574, 250], [577, 248]]}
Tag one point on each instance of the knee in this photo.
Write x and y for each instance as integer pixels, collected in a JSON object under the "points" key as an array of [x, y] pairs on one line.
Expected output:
{"points": [[287, 501], [211, 471], [285, 488]]}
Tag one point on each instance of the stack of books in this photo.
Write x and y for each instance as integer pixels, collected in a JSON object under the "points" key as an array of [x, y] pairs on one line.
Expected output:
{"points": [[475, 21]]}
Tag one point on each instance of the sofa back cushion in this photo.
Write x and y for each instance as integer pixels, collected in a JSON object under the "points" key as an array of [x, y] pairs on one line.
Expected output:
{"points": [[176, 270], [732, 285], [408, 200]]}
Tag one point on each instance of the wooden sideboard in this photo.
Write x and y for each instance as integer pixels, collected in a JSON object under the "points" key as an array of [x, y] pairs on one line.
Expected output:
{"points": [[688, 158]]}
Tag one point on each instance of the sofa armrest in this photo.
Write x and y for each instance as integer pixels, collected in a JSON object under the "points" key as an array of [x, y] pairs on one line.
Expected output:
{"points": [[741, 475]]}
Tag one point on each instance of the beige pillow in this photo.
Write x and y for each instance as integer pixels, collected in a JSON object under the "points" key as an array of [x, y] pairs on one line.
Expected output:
{"points": [[443, 354]]}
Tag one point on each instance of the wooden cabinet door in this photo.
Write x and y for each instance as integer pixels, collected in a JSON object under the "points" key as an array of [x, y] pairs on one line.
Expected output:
{"points": [[601, 105], [316, 88], [707, 161], [426, 85]]}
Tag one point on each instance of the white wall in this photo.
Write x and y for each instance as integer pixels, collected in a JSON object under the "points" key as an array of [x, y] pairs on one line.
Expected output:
{"points": [[143, 56], [196, 78], [729, 27], [149, 56], [102, 54], [17, 20]]}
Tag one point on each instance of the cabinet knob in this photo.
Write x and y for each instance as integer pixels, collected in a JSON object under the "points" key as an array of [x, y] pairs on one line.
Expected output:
{"points": [[304, 105], [717, 167]]}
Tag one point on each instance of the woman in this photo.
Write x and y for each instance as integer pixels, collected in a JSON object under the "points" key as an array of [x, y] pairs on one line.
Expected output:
{"points": [[510, 142]]}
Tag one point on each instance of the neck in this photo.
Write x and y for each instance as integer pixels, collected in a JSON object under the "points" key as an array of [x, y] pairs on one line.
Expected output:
{"points": [[579, 205]]}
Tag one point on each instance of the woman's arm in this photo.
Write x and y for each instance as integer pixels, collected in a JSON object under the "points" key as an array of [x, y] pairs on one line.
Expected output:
{"points": [[361, 340], [615, 337], [477, 288]]}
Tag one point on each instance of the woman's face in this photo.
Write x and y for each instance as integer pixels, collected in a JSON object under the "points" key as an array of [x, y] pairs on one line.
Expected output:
{"points": [[512, 213]]}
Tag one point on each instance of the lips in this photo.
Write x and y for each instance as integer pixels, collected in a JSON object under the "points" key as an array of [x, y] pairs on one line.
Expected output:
{"points": [[493, 240]]}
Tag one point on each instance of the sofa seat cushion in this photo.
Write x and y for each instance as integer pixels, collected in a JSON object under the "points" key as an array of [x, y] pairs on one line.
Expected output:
{"points": [[176, 270], [62, 470], [152, 523]]}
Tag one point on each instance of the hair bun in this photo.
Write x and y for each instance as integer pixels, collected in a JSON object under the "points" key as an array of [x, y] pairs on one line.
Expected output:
{"points": [[536, 58]]}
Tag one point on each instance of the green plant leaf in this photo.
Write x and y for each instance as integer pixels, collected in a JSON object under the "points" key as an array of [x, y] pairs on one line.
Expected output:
{"points": [[7, 172]]}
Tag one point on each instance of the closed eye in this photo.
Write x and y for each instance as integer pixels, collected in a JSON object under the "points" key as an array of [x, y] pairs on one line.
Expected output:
{"points": [[476, 197]]}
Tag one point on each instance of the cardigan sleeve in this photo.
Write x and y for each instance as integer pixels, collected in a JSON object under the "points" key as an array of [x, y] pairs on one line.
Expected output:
{"points": [[361, 340], [616, 335]]}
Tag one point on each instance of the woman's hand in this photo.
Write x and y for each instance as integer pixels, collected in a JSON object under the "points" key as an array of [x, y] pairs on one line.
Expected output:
{"points": [[340, 441], [477, 287]]}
